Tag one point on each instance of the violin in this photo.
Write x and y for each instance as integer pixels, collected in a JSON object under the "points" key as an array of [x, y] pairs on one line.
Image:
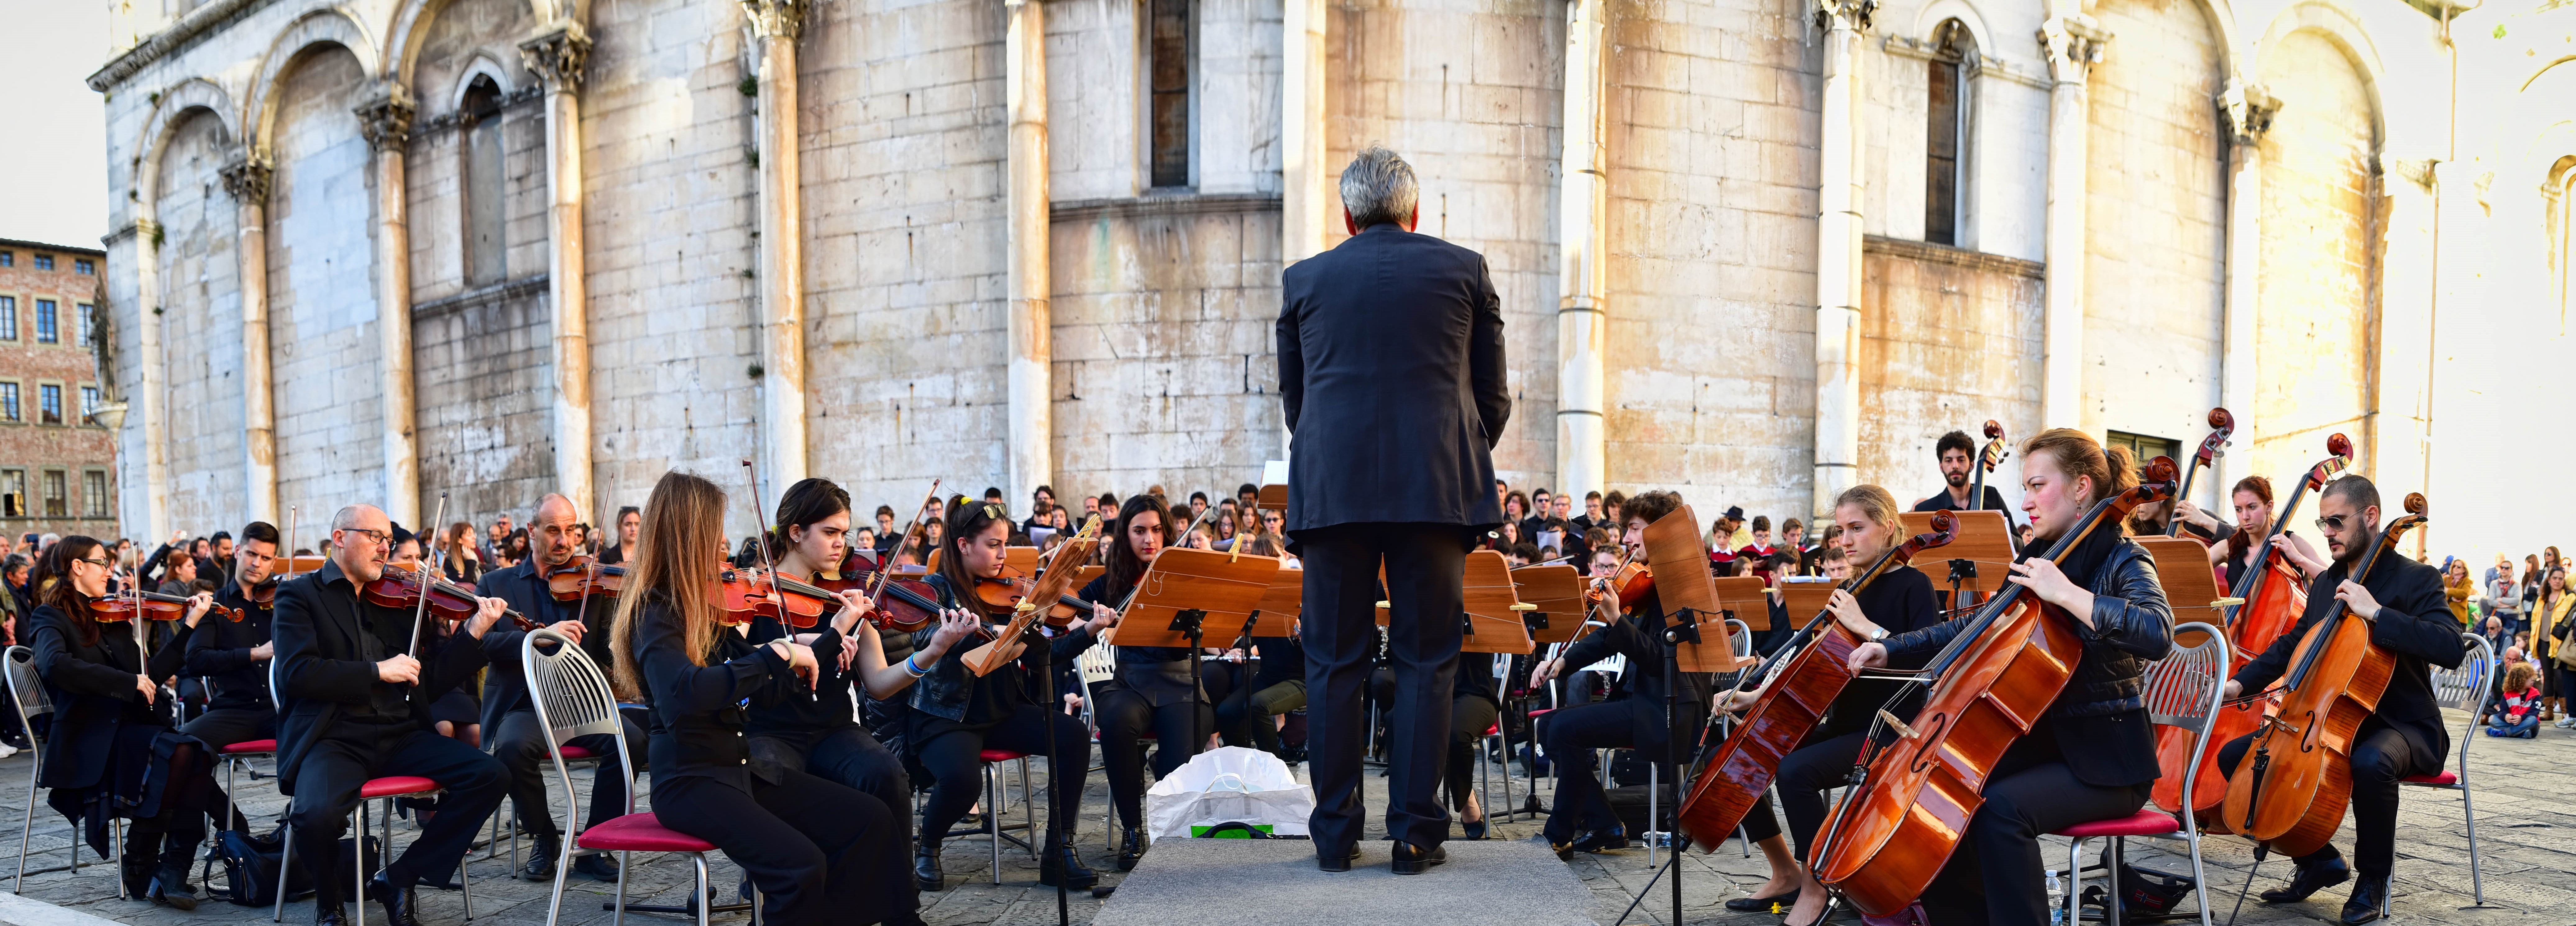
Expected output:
{"points": [[402, 587], [264, 594], [1728, 780], [1005, 592], [744, 594], [125, 606], [583, 577], [896, 600], [2297, 779], [1892, 832], [1612, 595]]}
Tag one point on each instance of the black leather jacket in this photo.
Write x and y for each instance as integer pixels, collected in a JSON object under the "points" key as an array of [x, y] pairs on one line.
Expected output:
{"points": [[953, 692]]}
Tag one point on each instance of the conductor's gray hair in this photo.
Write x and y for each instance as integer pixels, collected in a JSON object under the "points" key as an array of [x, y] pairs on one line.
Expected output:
{"points": [[1378, 188]]}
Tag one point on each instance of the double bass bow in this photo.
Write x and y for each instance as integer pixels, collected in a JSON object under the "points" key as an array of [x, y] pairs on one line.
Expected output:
{"points": [[2221, 426], [2291, 792], [1729, 780], [1892, 832]]}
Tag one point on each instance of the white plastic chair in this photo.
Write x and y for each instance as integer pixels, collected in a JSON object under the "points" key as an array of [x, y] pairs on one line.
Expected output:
{"points": [[1095, 665], [2182, 690], [2466, 688]]}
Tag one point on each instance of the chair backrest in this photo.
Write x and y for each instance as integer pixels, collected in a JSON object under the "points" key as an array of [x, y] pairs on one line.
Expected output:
{"points": [[33, 701], [2467, 688], [1097, 664], [572, 699], [2183, 688], [1617, 663]]}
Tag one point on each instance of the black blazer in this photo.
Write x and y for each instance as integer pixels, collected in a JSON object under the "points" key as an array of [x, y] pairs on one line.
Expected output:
{"points": [[94, 694], [1640, 637], [505, 688], [220, 650], [1391, 375], [327, 652], [698, 710], [2414, 625]]}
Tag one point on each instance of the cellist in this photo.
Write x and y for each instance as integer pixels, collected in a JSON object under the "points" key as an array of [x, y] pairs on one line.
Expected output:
{"points": [[2411, 620], [2092, 755], [1899, 600]]}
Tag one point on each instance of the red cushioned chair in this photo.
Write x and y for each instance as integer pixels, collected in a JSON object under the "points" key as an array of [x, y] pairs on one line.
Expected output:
{"points": [[233, 756], [385, 789], [2182, 691], [993, 807], [2466, 688]]}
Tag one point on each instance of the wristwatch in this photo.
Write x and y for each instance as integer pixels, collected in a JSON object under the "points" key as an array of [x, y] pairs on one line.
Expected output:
{"points": [[1877, 634]]}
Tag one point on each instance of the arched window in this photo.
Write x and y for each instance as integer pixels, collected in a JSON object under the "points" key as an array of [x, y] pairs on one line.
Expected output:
{"points": [[1168, 61], [485, 244], [1946, 135]]}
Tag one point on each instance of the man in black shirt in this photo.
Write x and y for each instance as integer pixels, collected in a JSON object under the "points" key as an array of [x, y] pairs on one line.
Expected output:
{"points": [[1958, 456], [234, 656]]}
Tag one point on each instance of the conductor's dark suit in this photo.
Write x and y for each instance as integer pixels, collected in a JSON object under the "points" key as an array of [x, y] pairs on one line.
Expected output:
{"points": [[1391, 375]]}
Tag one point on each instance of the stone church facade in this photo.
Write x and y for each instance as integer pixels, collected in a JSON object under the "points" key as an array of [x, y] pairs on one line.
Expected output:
{"points": [[1755, 249]]}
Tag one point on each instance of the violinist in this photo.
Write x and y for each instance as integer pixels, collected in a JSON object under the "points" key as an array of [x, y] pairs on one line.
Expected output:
{"points": [[1151, 695], [356, 706], [2092, 755], [1899, 600], [519, 739], [110, 716], [2409, 617], [233, 655], [815, 731], [818, 852], [1581, 820], [956, 714]]}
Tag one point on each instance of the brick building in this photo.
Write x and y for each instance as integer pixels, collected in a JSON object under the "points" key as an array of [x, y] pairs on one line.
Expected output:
{"points": [[57, 466]]}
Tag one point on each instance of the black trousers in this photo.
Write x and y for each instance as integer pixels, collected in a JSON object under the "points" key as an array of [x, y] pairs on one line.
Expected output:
{"points": [[1425, 577], [949, 750], [849, 757], [818, 852], [520, 744], [1805, 774], [1469, 717], [2380, 758], [1571, 734], [1995, 874], [1125, 720], [327, 780], [224, 726], [1244, 717]]}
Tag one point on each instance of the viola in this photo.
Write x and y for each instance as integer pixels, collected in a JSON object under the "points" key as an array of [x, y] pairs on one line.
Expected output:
{"points": [[264, 594], [402, 587], [743, 594], [1892, 832], [1005, 592], [1728, 780], [2296, 781], [2221, 426], [897, 601], [583, 577]]}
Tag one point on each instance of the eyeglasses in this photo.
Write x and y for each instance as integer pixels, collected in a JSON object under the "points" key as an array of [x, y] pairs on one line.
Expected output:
{"points": [[379, 538], [101, 562], [2332, 522]]}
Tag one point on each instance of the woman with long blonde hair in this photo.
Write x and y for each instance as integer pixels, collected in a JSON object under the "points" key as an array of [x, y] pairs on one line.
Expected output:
{"points": [[819, 851]]}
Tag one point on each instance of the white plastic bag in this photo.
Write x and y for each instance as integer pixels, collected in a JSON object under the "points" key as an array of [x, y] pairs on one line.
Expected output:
{"points": [[1229, 785]]}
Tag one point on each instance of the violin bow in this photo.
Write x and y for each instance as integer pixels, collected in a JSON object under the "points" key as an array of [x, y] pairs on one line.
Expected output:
{"points": [[420, 609], [885, 570], [786, 628]]}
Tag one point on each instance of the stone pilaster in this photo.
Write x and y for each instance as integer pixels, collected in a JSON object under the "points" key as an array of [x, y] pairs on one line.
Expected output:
{"points": [[386, 123], [248, 182], [2073, 44], [2248, 108], [557, 57], [1838, 251], [1582, 311], [775, 26], [1028, 208]]}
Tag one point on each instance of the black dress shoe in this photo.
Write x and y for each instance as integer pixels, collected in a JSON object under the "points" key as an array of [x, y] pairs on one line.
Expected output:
{"points": [[1330, 860], [2367, 897], [1131, 847], [1061, 863], [1602, 841], [2309, 879], [597, 866], [1762, 904], [330, 916], [541, 858], [1477, 829], [1411, 859], [402, 904], [926, 876]]}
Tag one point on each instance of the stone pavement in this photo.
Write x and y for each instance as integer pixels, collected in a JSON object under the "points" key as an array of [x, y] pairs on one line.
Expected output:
{"points": [[2527, 832]]}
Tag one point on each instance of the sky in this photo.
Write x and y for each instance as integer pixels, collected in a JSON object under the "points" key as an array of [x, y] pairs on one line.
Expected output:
{"points": [[53, 178]]}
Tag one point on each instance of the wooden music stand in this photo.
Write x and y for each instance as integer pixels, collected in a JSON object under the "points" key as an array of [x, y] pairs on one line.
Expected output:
{"points": [[1273, 493], [1804, 600], [1050, 586], [1493, 618], [2190, 584], [1088, 573], [1281, 605], [1677, 557], [1555, 596], [1984, 538], [1188, 595]]}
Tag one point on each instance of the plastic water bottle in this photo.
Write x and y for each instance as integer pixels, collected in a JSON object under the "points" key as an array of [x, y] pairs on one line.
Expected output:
{"points": [[2056, 900]]}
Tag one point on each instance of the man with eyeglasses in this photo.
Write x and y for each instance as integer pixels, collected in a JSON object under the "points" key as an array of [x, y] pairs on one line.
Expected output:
{"points": [[519, 739], [2411, 619], [234, 656], [355, 707]]}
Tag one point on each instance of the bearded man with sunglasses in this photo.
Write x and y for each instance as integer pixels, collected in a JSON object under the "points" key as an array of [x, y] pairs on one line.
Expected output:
{"points": [[2409, 617]]}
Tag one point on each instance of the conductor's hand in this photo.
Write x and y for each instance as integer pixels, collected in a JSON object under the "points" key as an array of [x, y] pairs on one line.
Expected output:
{"points": [[143, 683], [1868, 656], [1103, 617], [1546, 669], [399, 669], [800, 659], [489, 610], [2235, 690]]}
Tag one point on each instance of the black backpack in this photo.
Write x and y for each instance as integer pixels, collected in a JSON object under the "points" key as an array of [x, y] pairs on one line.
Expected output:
{"points": [[252, 873]]}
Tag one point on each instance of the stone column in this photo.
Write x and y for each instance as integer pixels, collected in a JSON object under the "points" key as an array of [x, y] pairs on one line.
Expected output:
{"points": [[1838, 253], [1306, 202], [556, 57], [775, 25], [1031, 334], [145, 413], [2249, 114], [2073, 45], [247, 180], [1582, 317], [2391, 450], [386, 122]]}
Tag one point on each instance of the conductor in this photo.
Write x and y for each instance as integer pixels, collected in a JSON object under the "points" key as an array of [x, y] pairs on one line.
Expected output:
{"points": [[1391, 375]]}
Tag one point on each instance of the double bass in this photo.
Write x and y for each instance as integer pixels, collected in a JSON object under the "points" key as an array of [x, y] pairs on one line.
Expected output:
{"points": [[1730, 779], [2296, 781], [1895, 830]]}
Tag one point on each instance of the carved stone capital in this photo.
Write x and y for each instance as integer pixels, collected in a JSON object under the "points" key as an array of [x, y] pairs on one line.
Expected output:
{"points": [[2073, 44], [558, 56], [2249, 109], [386, 120], [775, 19], [1845, 14], [247, 179]]}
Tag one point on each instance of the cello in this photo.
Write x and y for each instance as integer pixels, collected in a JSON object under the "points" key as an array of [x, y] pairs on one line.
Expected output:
{"points": [[1730, 779], [1892, 832], [2291, 792], [2221, 426], [2265, 603]]}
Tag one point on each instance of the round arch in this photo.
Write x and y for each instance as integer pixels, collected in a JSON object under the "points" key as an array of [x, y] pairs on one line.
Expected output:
{"points": [[1933, 14], [325, 26], [411, 21], [2332, 21]]}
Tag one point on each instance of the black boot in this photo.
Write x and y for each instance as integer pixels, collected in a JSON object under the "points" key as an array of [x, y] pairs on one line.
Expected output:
{"points": [[142, 860], [2367, 897], [541, 858], [170, 882], [1131, 846], [1061, 863], [402, 903], [2316, 873], [925, 865]]}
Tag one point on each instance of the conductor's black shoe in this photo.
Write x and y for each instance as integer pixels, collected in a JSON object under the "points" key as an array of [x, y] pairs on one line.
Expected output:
{"points": [[402, 904], [1131, 847], [1331, 860], [1601, 841], [2310, 877], [925, 866], [596, 865], [1062, 863], [2367, 897], [541, 858], [1411, 859]]}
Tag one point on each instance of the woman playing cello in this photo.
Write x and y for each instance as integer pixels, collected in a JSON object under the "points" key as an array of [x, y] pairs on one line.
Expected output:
{"points": [[2092, 756]]}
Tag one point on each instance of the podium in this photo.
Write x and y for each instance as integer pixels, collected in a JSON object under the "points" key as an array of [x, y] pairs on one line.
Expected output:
{"points": [[1980, 555], [1555, 596], [1677, 556]]}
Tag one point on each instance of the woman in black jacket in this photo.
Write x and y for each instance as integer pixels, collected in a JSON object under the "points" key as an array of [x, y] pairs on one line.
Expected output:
{"points": [[2092, 755], [956, 714], [1151, 695], [819, 851], [114, 752]]}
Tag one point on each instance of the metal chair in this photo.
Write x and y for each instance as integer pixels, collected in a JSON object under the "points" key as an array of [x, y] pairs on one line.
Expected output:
{"points": [[1095, 665], [2466, 688], [992, 821], [2182, 690], [33, 702], [385, 789]]}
